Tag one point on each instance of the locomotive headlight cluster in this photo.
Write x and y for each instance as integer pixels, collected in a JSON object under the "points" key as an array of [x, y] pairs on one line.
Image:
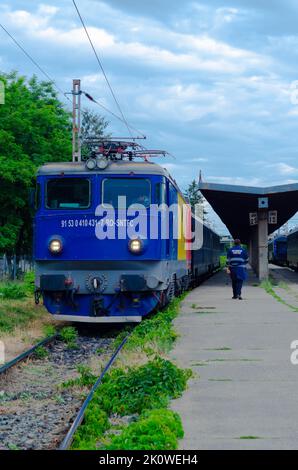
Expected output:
{"points": [[55, 246], [100, 163], [135, 246]]}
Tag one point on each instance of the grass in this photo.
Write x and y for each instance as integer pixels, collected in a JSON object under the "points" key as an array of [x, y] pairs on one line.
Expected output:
{"points": [[49, 330], [69, 335], [249, 437], [155, 334], [41, 352], [155, 430], [17, 308], [85, 379], [12, 291], [199, 364], [233, 360], [269, 288], [140, 392], [18, 313], [284, 285], [220, 380], [135, 391], [223, 261]]}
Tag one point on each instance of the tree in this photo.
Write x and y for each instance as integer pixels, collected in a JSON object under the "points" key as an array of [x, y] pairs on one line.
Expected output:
{"points": [[194, 196], [34, 129], [93, 125]]}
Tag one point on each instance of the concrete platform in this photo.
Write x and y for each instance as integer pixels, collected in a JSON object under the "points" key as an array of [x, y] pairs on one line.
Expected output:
{"points": [[287, 284], [244, 394]]}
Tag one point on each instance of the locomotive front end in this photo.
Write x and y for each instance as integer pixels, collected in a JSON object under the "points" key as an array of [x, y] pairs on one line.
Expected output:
{"points": [[95, 260]]}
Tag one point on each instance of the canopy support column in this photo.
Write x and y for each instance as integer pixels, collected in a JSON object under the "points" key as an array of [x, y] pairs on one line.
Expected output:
{"points": [[263, 270]]}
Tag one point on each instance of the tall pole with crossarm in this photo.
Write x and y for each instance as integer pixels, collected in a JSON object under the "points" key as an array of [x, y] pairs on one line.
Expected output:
{"points": [[76, 120]]}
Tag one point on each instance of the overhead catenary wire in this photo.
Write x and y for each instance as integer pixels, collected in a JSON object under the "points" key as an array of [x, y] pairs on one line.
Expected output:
{"points": [[58, 88], [102, 69], [34, 61], [111, 112]]}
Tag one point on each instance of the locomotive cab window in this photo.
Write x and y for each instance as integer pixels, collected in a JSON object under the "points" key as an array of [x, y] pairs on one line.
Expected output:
{"points": [[68, 193], [136, 191], [161, 193]]}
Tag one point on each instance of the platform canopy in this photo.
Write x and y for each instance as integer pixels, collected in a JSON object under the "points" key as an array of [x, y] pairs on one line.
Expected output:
{"points": [[233, 204]]}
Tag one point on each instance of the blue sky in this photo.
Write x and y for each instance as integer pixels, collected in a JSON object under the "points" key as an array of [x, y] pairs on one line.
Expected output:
{"points": [[208, 81]]}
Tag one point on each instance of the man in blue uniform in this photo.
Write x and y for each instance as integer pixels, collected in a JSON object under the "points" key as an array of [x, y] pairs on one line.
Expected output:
{"points": [[237, 259]]}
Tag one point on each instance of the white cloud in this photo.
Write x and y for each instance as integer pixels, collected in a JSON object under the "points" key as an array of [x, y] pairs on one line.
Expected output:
{"points": [[235, 180], [202, 86], [285, 169], [185, 51]]}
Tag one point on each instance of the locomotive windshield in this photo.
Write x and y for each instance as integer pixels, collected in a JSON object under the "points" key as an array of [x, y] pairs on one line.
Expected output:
{"points": [[68, 193], [136, 190]]}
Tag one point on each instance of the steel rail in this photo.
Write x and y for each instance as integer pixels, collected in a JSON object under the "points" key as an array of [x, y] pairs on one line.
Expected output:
{"points": [[67, 441], [27, 353]]}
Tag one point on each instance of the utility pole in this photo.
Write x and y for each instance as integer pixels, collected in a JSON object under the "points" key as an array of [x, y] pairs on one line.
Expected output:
{"points": [[76, 120]]}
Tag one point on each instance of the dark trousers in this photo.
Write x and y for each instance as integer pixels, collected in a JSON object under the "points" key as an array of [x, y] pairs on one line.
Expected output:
{"points": [[237, 286]]}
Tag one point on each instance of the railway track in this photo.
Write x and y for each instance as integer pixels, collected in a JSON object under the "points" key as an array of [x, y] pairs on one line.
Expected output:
{"points": [[26, 354], [67, 441], [35, 408]]}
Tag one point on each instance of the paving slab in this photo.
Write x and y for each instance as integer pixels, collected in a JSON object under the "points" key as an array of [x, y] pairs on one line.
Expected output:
{"points": [[244, 391]]}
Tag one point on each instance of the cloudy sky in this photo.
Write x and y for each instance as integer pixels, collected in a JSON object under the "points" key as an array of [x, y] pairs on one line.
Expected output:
{"points": [[209, 81]]}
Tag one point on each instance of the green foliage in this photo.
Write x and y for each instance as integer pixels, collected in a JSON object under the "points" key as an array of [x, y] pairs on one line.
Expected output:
{"points": [[268, 285], [149, 386], [69, 335], [95, 424], [135, 391], [92, 125], [29, 280], [40, 352], [157, 429], [17, 314], [12, 291], [34, 129], [49, 330], [157, 330], [86, 378], [145, 391], [194, 196]]}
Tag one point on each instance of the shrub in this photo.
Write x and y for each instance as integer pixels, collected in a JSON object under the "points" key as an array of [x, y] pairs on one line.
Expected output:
{"points": [[157, 429], [41, 352], [149, 386], [69, 335], [155, 330], [29, 282], [86, 378], [95, 424], [49, 330], [12, 291]]}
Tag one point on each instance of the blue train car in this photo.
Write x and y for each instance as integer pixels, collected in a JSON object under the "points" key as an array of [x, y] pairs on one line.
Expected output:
{"points": [[292, 252], [277, 250], [88, 268]]}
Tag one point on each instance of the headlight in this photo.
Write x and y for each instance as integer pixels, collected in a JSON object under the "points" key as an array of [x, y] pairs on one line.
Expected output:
{"points": [[135, 246], [101, 163], [55, 246], [91, 163]]}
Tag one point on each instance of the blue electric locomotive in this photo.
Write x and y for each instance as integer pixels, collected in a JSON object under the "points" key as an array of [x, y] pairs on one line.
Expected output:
{"points": [[88, 267]]}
